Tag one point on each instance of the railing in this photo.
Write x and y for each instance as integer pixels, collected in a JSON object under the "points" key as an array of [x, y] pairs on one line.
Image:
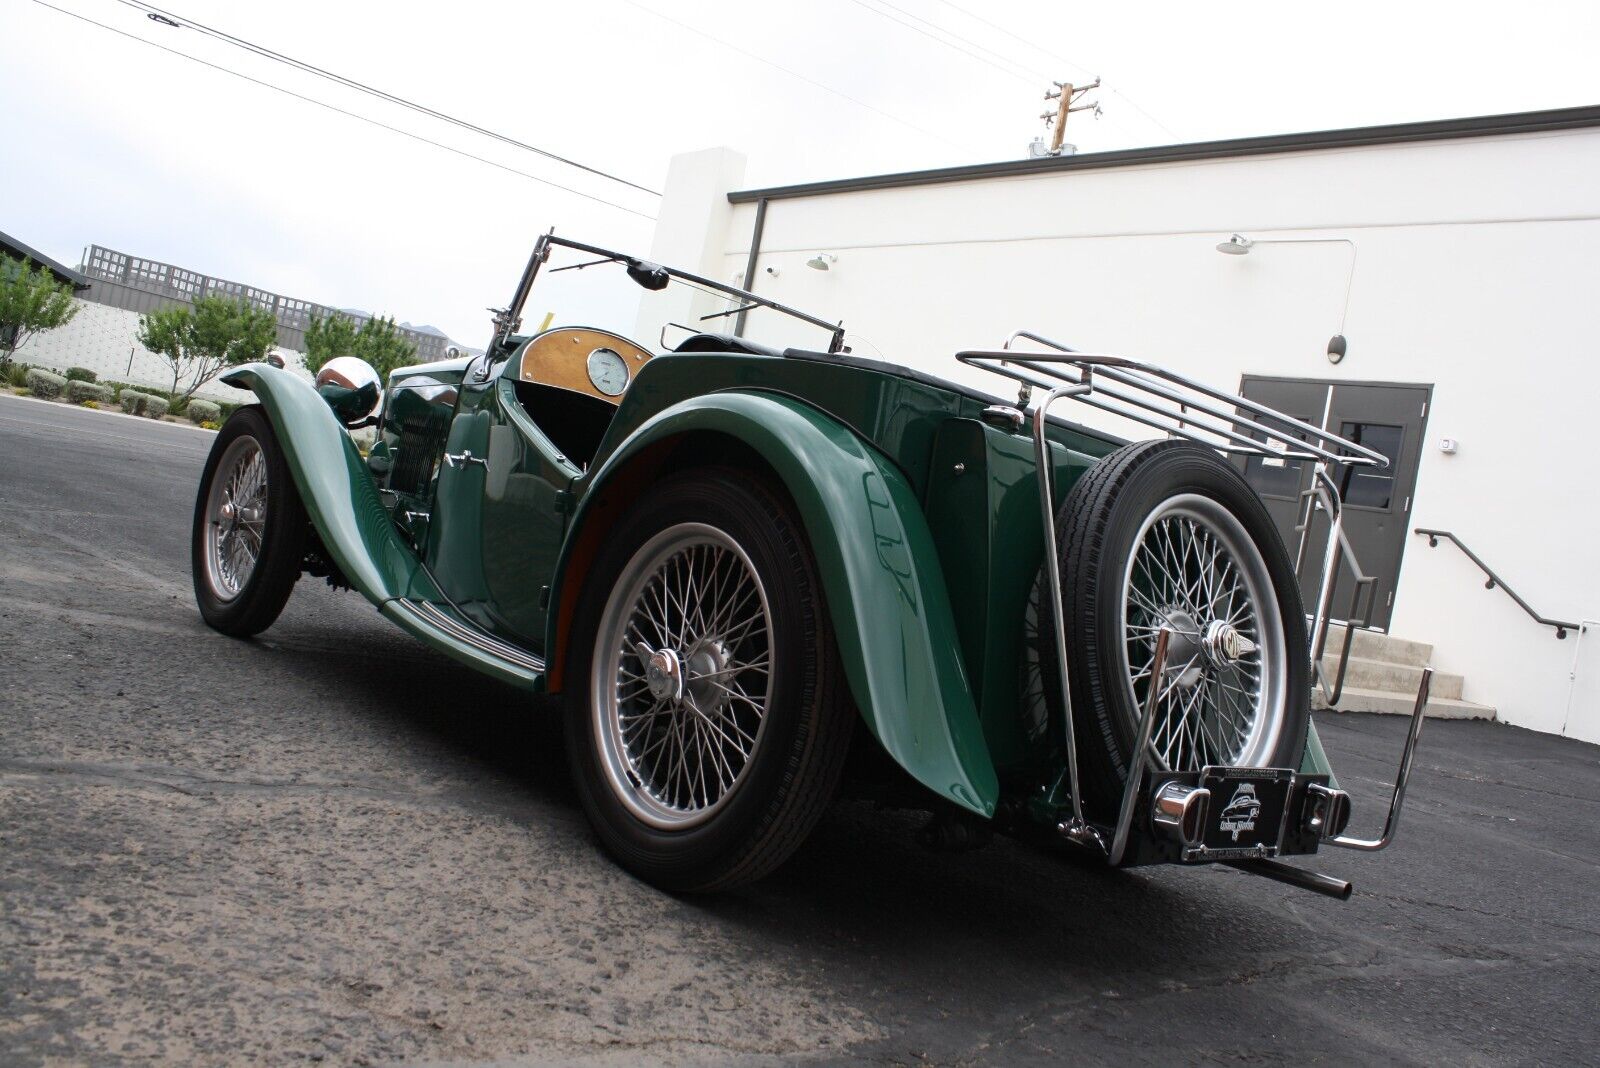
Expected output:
{"points": [[1433, 537]]}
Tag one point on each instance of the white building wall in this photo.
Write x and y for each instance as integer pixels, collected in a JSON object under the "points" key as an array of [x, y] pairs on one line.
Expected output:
{"points": [[106, 341], [1475, 271]]}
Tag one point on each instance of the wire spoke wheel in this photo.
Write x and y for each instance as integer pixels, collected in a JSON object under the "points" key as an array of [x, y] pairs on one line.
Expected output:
{"points": [[1165, 533], [236, 518], [1195, 570], [682, 675]]}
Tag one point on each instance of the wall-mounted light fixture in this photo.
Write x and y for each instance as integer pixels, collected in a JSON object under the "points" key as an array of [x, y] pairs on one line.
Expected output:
{"points": [[822, 261], [1239, 245]]}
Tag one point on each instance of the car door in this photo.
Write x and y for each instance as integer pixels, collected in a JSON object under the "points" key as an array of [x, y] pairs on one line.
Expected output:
{"points": [[499, 513]]}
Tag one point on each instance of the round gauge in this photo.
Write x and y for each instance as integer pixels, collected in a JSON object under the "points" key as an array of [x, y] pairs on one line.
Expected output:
{"points": [[608, 371]]}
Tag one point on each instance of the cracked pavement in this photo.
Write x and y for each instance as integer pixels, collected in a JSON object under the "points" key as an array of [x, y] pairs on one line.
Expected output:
{"points": [[331, 845]]}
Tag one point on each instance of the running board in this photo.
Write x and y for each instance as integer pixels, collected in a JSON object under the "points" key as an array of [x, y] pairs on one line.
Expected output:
{"points": [[443, 629]]}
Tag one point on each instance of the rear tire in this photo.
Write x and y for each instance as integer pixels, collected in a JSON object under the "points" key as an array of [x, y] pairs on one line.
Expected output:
{"points": [[249, 536], [705, 746], [1167, 532]]}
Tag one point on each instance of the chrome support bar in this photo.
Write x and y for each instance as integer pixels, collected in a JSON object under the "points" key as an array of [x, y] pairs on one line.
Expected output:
{"points": [[1141, 743], [1328, 494], [1077, 829], [1392, 823]]}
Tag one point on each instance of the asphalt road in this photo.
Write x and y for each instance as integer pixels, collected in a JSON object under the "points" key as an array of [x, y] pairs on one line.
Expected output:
{"points": [[329, 844]]}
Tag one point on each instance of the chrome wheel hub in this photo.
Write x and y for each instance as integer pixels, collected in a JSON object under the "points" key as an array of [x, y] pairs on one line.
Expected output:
{"points": [[663, 674], [681, 676], [1225, 644]]}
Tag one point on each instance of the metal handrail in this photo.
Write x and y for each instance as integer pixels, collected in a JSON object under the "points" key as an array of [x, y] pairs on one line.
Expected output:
{"points": [[1433, 536]]}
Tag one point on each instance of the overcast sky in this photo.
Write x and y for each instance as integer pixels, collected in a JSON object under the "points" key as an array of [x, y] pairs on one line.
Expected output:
{"points": [[107, 141]]}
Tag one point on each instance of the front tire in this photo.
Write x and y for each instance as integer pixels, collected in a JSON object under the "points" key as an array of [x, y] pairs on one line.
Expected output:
{"points": [[249, 535], [708, 720]]}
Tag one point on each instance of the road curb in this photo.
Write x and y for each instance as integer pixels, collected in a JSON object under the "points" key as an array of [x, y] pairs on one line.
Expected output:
{"points": [[102, 411]]}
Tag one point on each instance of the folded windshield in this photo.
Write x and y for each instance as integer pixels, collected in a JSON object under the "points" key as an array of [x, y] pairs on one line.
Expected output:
{"points": [[659, 307]]}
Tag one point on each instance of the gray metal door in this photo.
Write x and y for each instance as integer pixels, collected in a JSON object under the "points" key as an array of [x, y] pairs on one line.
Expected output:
{"points": [[1389, 417]]}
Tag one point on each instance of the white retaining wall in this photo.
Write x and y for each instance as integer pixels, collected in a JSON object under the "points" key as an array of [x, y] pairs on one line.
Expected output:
{"points": [[105, 340]]}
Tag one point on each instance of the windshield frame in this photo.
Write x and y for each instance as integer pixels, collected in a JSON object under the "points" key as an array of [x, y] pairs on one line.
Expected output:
{"points": [[508, 320]]}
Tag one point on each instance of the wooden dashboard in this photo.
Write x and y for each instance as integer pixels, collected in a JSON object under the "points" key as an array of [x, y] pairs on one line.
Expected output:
{"points": [[561, 358]]}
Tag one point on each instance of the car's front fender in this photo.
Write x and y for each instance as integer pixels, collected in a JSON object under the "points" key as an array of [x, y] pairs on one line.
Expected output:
{"points": [[335, 486], [880, 572]]}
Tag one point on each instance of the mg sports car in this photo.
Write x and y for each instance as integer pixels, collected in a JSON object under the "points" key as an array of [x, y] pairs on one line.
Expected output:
{"points": [[753, 570]]}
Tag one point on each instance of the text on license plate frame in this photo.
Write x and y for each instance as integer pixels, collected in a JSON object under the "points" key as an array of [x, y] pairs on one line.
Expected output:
{"points": [[1248, 810]]}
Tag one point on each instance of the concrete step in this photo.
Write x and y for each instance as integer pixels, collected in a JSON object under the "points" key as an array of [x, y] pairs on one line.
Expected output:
{"points": [[1364, 673], [1373, 645], [1396, 704]]}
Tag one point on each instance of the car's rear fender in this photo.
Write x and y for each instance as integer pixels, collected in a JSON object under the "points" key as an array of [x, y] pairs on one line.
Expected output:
{"points": [[335, 486], [880, 572]]}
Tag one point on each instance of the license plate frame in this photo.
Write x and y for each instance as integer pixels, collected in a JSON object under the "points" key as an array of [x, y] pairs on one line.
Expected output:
{"points": [[1249, 809]]}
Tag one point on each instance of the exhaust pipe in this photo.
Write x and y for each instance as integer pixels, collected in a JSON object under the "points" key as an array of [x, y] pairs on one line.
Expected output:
{"points": [[1314, 881], [1179, 812]]}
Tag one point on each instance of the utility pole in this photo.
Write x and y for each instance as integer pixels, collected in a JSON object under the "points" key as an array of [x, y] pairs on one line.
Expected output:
{"points": [[1069, 98]]}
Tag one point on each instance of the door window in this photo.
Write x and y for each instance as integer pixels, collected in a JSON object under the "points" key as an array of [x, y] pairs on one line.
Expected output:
{"points": [[1371, 487]]}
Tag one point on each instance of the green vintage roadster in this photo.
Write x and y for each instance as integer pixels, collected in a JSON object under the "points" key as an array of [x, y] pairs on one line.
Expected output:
{"points": [[754, 576]]}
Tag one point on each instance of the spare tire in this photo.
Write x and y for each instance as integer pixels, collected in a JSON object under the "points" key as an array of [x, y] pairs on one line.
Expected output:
{"points": [[1166, 533]]}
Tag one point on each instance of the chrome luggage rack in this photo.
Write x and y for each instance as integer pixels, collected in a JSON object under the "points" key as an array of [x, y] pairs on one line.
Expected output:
{"points": [[1181, 407]]}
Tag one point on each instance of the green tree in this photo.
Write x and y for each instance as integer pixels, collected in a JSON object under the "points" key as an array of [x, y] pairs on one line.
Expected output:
{"points": [[377, 341], [327, 338], [381, 344], [30, 300], [197, 344]]}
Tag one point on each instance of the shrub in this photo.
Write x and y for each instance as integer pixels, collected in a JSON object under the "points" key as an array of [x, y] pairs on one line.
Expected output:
{"points": [[210, 424], [78, 391], [92, 404], [202, 411], [81, 374], [132, 401], [155, 407], [16, 374], [43, 383]]}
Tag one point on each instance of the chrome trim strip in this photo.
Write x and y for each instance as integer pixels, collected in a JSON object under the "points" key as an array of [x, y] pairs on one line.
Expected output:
{"points": [[434, 616]]}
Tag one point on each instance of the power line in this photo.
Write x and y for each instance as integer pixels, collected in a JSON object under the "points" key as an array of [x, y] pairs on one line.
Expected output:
{"points": [[1063, 59], [792, 73], [351, 83], [342, 111], [1031, 44], [1010, 73]]}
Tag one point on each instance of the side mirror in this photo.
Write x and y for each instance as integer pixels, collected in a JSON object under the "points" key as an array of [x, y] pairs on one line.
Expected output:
{"points": [[352, 389], [650, 275]]}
